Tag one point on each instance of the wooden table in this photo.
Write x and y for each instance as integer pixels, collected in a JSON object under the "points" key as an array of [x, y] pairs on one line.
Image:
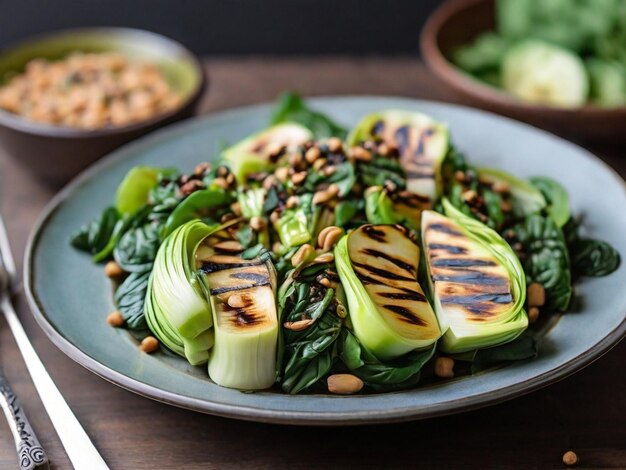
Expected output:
{"points": [[586, 412]]}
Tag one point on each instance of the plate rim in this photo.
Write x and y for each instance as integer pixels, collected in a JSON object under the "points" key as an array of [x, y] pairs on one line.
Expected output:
{"points": [[248, 413]]}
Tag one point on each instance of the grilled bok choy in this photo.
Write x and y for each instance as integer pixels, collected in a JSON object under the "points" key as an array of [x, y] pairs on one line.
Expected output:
{"points": [[378, 266], [175, 308], [259, 151], [242, 296], [477, 281], [422, 144]]}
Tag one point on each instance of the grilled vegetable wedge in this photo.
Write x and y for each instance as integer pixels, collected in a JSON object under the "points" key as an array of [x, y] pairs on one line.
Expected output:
{"points": [[175, 308], [421, 141], [377, 265], [242, 294], [256, 152], [477, 281]]}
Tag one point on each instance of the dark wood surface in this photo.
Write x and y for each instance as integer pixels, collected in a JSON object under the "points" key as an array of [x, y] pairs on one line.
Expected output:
{"points": [[586, 412]]}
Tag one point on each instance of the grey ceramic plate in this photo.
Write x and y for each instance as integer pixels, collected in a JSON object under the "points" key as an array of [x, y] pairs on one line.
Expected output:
{"points": [[70, 297]]}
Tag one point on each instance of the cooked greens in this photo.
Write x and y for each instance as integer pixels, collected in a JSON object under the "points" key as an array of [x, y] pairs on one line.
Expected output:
{"points": [[298, 257]]}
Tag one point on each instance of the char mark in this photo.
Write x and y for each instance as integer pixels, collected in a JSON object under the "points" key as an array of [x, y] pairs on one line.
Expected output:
{"points": [[405, 314], [461, 263], [254, 277], [474, 300], [378, 128], [402, 138], [444, 229], [379, 254], [381, 273], [453, 250], [404, 294], [420, 175], [473, 277], [223, 290], [374, 234], [209, 267], [241, 317]]}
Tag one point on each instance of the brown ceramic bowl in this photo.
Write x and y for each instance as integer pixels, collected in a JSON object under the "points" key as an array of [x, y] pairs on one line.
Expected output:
{"points": [[54, 153], [457, 22]]}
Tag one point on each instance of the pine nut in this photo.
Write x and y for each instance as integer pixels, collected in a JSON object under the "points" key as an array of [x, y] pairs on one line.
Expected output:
{"points": [[113, 270], [361, 154], [312, 154], [115, 319], [533, 314], [322, 197], [149, 344], [298, 178], [470, 195], [444, 367], [305, 252], [257, 223], [282, 173], [570, 458], [298, 325], [500, 187], [536, 295], [459, 176], [330, 170], [344, 384], [325, 258], [220, 183], [319, 163], [328, 237], [201, 168], [292, 201], [334, 144]]}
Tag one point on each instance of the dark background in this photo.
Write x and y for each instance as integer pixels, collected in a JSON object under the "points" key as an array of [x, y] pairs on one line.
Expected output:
{"points": [[241, 27]]}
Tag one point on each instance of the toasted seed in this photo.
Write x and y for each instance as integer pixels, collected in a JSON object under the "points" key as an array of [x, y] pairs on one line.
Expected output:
{"points": [[295, 160], [459, 176], [326, 195], [383, 149], [335, 144], [444, 367], [570, 458], [533, 314], [324, 258], [201, 168], [328, 237], [470, 195], [323, 280], [506, 206], [361, 154], [230, 179], [275, 149], [292, 201], [500, 187], [274, 216], [149, 344], [312, 154], [319, 163], [270, 181], [236, 208], [330, 170], [298, 325], [304, 253], [191, 186], [115, 319], [236, 301], [282, 173], [536, 295], [222, 171], [113, 270], [344, 384], [298, 178], [220, 183], [257, 223]]}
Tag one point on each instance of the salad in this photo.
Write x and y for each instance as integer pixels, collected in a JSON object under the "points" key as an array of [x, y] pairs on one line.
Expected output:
{"points": [[563, 53], [309, 258]]}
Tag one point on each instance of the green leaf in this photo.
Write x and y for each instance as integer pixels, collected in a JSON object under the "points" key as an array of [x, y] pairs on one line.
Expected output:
{"points": [[95, 236], [292, 108], [524, 347], [556, 197], [589, 257], [130, 298]]}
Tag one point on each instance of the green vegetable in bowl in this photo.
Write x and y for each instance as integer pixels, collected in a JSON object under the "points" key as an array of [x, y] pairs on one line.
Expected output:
{"points": [[378, 266], [541, 73], [478, 284]]}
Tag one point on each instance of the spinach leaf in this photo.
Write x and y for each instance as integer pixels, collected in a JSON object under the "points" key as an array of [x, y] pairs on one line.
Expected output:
{"points": [[381, 376], [292, 108], [130, 297], [94, 236], [308, 354], [524, 347], [589, 257], [556, 196], [545, 258], [138, 247]]}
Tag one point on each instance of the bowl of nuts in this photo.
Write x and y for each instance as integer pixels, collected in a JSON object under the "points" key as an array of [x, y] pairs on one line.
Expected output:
{"points": [[67, 98]]}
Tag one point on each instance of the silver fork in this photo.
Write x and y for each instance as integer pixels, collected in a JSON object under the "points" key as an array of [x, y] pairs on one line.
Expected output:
{"points": [[80, 450]]}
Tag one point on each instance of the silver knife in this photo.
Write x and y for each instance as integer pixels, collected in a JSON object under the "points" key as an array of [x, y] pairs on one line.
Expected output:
{"points": [[79, 448]]}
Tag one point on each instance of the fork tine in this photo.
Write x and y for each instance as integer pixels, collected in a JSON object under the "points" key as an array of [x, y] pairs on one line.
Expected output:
{"points": [[6, 257]]}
